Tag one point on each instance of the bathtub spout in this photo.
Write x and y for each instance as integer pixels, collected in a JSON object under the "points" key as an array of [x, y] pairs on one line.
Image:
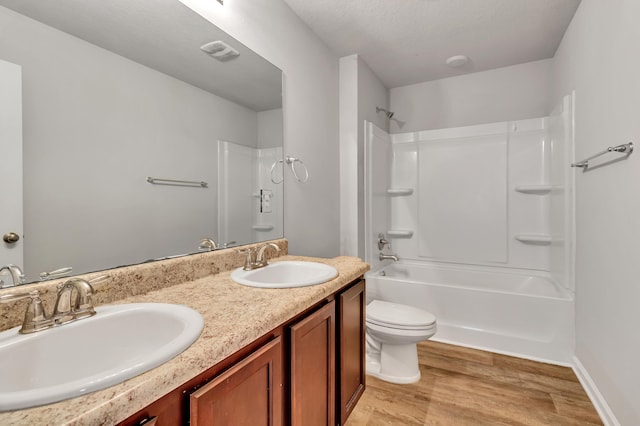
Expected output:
{"points": [[388, 256]]}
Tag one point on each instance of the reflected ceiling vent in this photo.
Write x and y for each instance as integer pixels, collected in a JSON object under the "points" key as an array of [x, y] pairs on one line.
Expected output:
{"points": [[220, 50], [457, 61]]}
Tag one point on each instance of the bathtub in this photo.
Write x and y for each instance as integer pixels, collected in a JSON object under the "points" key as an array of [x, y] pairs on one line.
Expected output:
{"points": [[525, 315]]}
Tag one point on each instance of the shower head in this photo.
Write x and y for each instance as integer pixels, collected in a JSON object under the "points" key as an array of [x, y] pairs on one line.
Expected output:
{"points": [[389, 114]]}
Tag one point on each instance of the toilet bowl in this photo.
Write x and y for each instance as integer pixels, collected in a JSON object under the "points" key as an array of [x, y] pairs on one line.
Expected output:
{"points": [[393, 330]]}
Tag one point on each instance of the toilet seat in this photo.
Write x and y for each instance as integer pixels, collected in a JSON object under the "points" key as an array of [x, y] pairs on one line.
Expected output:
{"points": [[397, 316], [398, 334]]}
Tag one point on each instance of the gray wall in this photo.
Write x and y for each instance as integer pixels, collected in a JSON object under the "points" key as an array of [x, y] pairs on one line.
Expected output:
{"points": [[361, 91], [504, 94], [598, 58]]}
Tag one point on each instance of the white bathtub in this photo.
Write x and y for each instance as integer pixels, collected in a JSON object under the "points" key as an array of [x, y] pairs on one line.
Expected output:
{"points": [[524, 315]]}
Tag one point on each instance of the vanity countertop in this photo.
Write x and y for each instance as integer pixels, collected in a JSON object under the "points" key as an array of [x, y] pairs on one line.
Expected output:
{"points": [[234, 315]]}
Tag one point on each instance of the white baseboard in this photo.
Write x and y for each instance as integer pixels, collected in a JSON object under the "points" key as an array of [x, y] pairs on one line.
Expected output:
{"points": [[601, 406]]}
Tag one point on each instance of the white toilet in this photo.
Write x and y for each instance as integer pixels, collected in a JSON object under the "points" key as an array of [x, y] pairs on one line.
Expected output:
{"points": [[392, 333]]}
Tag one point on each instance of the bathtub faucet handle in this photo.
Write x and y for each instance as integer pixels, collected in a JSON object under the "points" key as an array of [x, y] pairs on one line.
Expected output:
{"points": [[382, 242]]}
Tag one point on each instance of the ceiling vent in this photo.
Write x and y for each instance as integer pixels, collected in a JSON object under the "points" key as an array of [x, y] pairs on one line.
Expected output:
{"points": [[457, 61], [220, 50]]}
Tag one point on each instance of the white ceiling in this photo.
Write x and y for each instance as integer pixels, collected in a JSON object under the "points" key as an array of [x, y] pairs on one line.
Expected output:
{"points": [[408, 41]]}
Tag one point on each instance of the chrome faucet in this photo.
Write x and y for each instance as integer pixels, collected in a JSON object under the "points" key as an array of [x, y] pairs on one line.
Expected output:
{"points": [[67, 309], [260, 259], [208, 244], [255, 257], [17, 275], [383, 256]]}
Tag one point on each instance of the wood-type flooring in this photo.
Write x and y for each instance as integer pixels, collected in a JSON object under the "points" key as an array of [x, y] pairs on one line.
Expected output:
{"points": [[462, 386]]}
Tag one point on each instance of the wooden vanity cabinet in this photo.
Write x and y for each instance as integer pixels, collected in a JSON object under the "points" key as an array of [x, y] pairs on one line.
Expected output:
{"points": [[351, 349], [328, 367], [309, 371], [312, 377]]}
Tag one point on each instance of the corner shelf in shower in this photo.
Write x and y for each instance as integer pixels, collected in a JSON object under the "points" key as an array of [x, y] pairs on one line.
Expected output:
{"points": [[399, 191], [262, 228], [539, 239], [534, 189], [399, 233]]}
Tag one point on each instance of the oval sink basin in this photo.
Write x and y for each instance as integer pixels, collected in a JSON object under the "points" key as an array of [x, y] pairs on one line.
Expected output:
{"points": [[118, 343], [286, 274]]}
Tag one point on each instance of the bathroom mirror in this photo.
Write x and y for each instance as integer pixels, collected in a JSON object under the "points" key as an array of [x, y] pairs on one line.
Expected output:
{"points": [[115, 92]]}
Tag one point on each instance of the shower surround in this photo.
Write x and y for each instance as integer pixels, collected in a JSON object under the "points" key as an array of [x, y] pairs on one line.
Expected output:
{"points": [[481, 218]]}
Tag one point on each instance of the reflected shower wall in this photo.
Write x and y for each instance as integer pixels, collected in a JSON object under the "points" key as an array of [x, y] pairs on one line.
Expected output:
{"points": [[247, 195]]}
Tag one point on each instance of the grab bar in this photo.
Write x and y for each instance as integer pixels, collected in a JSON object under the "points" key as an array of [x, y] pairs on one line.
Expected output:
{"points": [[158, 181], [625, 148]]}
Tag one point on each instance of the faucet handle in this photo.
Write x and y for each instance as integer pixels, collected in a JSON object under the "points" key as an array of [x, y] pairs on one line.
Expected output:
{"points": [[250, 260], [98, 279], [227, 244], [382, 242], [58, 273], [35, 318], [11, 297]]}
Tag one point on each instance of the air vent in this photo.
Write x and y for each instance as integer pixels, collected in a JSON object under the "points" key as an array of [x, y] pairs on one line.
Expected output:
{"points": [[220, 50]]}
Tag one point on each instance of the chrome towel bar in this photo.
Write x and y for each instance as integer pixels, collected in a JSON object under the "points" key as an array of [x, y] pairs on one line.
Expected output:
{"points": [[625, 148], [158, 181]]}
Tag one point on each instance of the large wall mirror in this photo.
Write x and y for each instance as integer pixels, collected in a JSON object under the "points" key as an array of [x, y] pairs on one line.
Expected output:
{"points": [[99, 96]]}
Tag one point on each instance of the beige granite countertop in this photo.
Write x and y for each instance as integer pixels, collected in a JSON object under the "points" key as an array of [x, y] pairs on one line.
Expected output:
{"points": [[234, 316]]}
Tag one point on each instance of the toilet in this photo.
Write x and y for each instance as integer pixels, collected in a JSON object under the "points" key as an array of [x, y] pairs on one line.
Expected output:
{"points": [[393, 330]]}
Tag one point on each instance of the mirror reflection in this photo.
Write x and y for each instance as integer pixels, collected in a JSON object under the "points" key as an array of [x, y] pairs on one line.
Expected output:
{"points": [[98, 97]]}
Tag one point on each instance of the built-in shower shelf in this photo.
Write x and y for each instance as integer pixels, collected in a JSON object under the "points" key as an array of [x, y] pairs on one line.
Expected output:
{"points": [[534, 189], [399, 233], [262, 228], [400, 191], [540, 239]]}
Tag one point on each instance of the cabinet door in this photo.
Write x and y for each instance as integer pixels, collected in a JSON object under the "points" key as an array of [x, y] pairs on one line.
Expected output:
{"points": [[313, 369], [249, 393], [351, 362]]}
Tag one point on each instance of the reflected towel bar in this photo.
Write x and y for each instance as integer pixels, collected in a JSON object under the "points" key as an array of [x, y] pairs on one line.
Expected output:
{"points": [[625, 148], [291, 162], [158, 181]]}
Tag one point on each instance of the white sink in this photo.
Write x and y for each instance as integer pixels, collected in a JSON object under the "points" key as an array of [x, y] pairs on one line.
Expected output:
{"points": [[119, 342], [286, 274]]}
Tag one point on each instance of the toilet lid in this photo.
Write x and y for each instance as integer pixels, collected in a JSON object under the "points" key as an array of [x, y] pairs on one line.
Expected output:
{"points": [[398, 315]]}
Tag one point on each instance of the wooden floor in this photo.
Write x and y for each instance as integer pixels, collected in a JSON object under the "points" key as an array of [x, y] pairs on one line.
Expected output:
{"points": [[461, 386]]}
